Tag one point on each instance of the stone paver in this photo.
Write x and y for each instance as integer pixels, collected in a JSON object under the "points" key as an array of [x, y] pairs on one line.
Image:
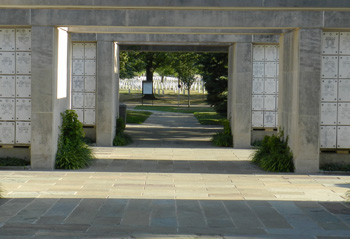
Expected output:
{"points": [[161, 191]]}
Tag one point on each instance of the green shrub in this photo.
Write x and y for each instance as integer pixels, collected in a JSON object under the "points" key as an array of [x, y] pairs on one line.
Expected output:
{"points": [[121, 138], [274, 154], [9, 161], [224, 138], [72, 152]]}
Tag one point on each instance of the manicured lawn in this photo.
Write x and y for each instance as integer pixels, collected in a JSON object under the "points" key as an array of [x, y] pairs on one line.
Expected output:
{"points": [[137, 117], [209, 118], [175, 109]]}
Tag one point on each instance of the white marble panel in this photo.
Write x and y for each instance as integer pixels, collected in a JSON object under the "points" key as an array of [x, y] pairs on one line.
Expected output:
{"points": [[270, 53], [7, 132], [23, 39], [89, 100], [258, 69], [90, 83], [258, 53], [257, 119], [330, 42], [329, 90], [257, 102], [90, 51], [23, 63], [78, 50], [344, 47], [23, 109], [270, 86], [78, 83], [270, 69], [7, 86], [270, 102], [90, 67], [23, 132], [343, 137], [269, 119], [78, 100], [80, 113], [344, 114], [258, 85], [7, 39], [78, 67], [329, 67], [328, 114], [278, 69], [7, 62], [89, 117], [344, 90], [7, 109], [23, 86], [328, 137], [344, 67]]}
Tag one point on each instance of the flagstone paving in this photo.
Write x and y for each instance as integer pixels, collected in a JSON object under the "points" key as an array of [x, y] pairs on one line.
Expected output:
{"points": [[160, 191]]}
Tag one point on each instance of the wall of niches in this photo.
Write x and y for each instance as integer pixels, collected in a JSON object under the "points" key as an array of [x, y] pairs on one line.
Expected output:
{"points": [[335, 91], [84, 82], [265, 86], [15, 86]]}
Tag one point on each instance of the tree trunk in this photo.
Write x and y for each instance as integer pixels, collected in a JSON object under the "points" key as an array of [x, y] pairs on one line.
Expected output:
{"points": [[188, 97]]}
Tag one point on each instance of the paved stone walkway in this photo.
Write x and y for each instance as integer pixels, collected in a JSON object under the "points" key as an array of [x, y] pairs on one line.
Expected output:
{"points": [[154, 189]]}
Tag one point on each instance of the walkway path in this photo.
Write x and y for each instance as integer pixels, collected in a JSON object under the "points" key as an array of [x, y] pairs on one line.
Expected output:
{"points": [[157, 189]]}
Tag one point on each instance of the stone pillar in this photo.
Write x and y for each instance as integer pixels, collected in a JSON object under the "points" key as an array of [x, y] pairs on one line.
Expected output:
{"points": [[107, 82], [46, 107], [299, 95], [240, 93]]}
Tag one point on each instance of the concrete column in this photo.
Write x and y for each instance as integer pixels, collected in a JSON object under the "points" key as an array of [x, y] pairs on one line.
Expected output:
{"points": [[240, 93], [46, 107], [107, 82], [299, 95]]}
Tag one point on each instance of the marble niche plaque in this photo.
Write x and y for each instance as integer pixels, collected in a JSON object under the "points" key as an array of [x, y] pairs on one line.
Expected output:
{"points": [[270, 53], [257, 119], [270, 102], [23, 39], [330, 42], [344, 47], [23, 86], [23, 63], [89, 116], [7, 86], [328, 114], [78, 67], [78, 100], [270, 86], [258, 69], [90, 51], [344, 67], [258, 85], [89, 100], [329, 90], [343, 137], [344, 114], [78, 83], [344, 90], [270, 69], [7, 62], [269, 119], [257, 102], [328, 137], [90, 67], [329, 67], [80, 113], [7, 39], [78, 50], [258, 53], [7, 109], [90, 83], [7, 133], [23, 109], [23, 133]]}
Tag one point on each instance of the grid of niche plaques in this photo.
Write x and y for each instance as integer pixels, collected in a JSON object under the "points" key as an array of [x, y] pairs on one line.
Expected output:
{"points": [[84, 82], [265, 86], [15, 86], [335, 91]]}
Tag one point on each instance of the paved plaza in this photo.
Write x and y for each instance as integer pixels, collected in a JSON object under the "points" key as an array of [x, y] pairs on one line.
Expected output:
{"points": [[171, 183]]}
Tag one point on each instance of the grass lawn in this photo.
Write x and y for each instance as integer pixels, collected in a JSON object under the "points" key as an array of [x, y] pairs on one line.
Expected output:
{"points": [[137, 117], [209, 118], [175, 109]]}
